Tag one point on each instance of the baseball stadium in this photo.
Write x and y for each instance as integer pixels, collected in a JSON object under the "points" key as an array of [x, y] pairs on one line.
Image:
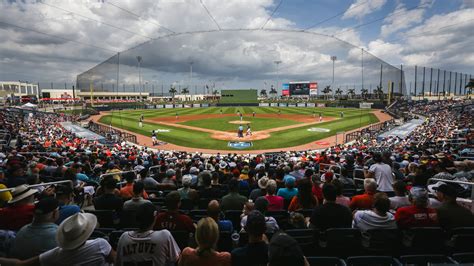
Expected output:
{"points": [[243, 133]]}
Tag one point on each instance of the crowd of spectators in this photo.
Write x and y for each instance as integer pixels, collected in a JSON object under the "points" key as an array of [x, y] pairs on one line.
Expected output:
{"points": [[367, 184]]}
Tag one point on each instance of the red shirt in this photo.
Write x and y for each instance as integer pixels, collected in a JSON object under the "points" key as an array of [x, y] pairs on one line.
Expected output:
{"points": [[126, 192], [412, 216], [15, 217], [174, 221], [362, 202], [275, 203]]}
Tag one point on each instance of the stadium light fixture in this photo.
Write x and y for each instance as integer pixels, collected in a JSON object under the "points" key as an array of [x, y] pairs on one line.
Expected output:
{"points": [[333, 59], [277, 63]]}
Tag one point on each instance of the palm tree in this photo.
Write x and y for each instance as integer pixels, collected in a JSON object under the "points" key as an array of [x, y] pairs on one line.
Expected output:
{"points": [[364, 93], [338, 92], [273, 91], [351, 93], [173, 91], [185, 91], [379, 92], [327, 90], [263, 93]]}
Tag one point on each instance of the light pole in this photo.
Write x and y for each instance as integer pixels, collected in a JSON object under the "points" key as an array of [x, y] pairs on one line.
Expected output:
{"points": [[190, 73], [333, 59], [139, 59], [277, 63]]}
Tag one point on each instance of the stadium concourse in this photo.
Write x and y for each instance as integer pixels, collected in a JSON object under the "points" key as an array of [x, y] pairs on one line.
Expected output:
{"points": [[72, 201]]}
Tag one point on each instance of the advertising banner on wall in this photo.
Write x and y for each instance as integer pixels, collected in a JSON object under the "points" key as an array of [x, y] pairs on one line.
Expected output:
{"points": [[264, 104], [169, 106], [159, 106], [178, 106], [187, 105], [196, 105], [321, 105], [365, 105], [274, 104], [282, 105], [310, 105], [205, 105], [301, 104], [291, 105]]}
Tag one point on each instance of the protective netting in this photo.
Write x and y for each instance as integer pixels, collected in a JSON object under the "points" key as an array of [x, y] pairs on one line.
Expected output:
{"points": [[238, 59]]}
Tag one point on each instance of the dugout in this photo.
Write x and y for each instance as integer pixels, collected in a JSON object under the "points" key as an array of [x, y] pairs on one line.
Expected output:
{"points": [[238, 98]]}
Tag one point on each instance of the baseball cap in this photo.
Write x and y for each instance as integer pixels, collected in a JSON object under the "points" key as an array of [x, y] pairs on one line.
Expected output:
{"points": [[46, 205], [63, 190], [446, 189]]}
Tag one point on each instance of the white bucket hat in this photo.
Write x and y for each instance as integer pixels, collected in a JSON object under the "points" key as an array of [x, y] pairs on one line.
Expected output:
{"points": [[75, 230], [21, 192]]}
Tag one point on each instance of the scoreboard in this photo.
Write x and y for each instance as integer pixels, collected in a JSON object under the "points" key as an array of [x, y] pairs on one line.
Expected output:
{"points": [[303, 88]]}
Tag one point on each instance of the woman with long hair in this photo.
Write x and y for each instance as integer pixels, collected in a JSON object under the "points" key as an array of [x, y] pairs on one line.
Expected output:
{"points": [[207, 235], [304, 199]]}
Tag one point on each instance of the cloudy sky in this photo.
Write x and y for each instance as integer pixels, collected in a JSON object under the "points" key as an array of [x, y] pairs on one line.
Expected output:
{"points": [[55, 40]]}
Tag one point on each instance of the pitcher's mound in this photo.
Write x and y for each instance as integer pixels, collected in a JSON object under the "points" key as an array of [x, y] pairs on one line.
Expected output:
{"points": [[238, 122], [232, 136]]}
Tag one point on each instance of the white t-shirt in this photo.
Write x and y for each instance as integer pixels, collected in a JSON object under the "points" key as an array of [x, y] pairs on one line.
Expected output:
{"points": [[93, 252], [383, 176], [399, 201], [158, 247]]}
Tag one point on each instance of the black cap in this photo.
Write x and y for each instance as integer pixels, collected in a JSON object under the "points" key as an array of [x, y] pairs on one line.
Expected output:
{"points": [[64, 190], [446, 190], [46, 205]]}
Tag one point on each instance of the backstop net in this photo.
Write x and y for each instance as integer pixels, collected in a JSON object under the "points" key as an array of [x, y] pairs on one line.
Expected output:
{"points": [[209, 61]]}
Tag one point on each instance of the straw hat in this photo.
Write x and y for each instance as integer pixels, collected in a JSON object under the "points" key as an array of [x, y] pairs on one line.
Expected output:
{"points": [[21, 192], [75, 230]]}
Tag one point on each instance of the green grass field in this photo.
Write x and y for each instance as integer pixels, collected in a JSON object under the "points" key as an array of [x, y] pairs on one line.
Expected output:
{"points": [[353, 118]]}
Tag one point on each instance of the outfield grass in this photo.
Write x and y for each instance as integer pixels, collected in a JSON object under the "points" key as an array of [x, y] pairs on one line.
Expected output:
{"points": [[353, 118]]}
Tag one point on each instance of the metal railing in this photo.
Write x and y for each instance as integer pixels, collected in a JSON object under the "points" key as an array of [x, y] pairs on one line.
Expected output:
{"points": [[41, 185], [108, 130]]}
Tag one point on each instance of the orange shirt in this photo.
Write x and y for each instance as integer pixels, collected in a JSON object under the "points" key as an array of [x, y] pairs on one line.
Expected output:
{"points": [[362, 202], [126, 192], [189, 256]]}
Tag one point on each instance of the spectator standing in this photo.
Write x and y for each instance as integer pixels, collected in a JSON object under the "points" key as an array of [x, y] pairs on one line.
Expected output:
{"points": [[378, 217], [156, 246], [207, 235], [382, 173], [39, 236], [418, 214], [233, 200], [330, 214], [172, 219], [256, 251], [19, 211], [276, 203]]}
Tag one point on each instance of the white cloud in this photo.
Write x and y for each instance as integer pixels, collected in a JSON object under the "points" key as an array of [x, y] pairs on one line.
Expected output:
{"points": [[361, 8], [403, 18]]}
